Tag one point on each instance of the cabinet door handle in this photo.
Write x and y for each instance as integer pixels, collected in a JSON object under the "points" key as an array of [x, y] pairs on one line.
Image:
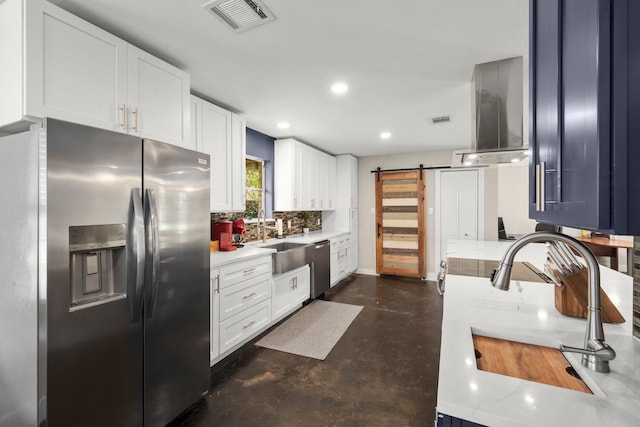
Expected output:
{"points": [[218, 283], [250, 270], [135, 115], [250, 324], [295, 281], [249, 296], [124, 116], [379, 225], [540, 189]]}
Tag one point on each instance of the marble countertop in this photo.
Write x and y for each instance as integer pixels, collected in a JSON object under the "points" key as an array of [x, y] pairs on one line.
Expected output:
{"points": [[255, 249], [526, 313]]}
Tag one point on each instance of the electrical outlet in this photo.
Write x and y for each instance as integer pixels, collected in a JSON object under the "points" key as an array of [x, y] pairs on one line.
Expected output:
{"points": [[289, 224], [318, 221]]}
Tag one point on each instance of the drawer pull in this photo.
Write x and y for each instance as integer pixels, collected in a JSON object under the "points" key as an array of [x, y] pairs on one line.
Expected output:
{"points": [[249, 270], [248, 325], [250, 295]]}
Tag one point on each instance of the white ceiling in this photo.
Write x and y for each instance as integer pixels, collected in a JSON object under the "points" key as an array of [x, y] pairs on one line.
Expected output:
{"points": [[405, 61]]}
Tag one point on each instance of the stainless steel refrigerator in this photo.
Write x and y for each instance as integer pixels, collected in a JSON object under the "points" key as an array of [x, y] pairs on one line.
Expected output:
{"points": [[104, 284]]}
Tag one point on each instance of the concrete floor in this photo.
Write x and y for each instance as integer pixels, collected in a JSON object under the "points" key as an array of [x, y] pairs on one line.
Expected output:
{"points": [[382, 372]]}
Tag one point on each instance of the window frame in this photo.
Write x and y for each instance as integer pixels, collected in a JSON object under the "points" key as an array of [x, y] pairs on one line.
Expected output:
{"points": [[262, 189]]}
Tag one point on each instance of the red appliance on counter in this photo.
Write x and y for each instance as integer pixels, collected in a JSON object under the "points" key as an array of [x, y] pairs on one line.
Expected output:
{"points": [[223, 232], [239, 231]]}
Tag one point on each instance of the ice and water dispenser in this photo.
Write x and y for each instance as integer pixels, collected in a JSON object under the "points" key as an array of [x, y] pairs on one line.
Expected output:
{"points": [[97, 264]]}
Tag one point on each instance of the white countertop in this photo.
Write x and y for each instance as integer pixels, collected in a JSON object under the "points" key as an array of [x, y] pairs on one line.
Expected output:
{"points": [[221, 258], [254, 249], [526, 313]]}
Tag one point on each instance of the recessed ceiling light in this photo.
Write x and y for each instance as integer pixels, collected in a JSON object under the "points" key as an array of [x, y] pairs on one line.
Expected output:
{"points": [[339, 88], [385, 135], [283, 125]]}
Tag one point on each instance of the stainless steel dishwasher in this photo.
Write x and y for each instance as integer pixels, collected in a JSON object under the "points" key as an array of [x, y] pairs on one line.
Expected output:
{"points": [[320, 257]]}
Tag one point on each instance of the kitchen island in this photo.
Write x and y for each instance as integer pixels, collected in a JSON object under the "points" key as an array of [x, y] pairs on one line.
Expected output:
{"points": [[527, 314]]}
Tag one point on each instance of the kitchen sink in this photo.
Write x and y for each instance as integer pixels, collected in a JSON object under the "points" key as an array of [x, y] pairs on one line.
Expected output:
{"points": [[289, 256], [526, 361]]}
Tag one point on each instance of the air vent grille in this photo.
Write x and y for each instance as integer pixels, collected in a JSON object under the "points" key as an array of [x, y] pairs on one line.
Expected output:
{"points": [[440, 119], [240, 15]]}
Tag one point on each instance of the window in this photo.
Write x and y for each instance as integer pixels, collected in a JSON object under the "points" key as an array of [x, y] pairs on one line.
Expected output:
{"points": [[254, 186]]}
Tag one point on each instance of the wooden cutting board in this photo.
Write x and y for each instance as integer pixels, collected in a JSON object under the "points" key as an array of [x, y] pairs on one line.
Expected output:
{"points": [[529, 362]]}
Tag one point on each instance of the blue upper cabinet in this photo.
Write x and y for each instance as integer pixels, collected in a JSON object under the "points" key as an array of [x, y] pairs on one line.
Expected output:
{"points": [[584, 115]]}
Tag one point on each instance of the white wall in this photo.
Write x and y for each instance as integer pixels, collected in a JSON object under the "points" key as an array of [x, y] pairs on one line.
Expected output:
{"points": [[513, 198]]}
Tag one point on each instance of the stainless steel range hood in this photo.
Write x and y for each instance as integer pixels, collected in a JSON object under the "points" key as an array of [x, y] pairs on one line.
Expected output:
{"points": [[496, 122]]}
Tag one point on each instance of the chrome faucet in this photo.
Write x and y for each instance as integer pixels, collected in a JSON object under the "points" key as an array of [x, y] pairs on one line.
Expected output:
{"points": [[596, 354]]}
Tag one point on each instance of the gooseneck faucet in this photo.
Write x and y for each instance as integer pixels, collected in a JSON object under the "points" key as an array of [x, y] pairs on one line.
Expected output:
{"points": [[596, 354]]}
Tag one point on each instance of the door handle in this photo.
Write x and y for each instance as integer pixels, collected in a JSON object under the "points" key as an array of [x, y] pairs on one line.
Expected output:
{"points": [[540, 190], [136, 250], [153, 250], [379, 225]]}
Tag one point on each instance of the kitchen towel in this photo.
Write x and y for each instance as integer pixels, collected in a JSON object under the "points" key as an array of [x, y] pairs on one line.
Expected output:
{"points": [[312, 331]]}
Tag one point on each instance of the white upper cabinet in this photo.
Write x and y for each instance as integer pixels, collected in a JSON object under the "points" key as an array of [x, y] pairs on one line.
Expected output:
{"points": [[347, 181], [222, 135], [238, 164], [302, 177], [158, 98], [58, 65], [330, 203]]}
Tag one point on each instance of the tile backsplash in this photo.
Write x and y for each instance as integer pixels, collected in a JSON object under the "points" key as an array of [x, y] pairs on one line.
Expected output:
{"points": [[636, 286], [296, 223]]}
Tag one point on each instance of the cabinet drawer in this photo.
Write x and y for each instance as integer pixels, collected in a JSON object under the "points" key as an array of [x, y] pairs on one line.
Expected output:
{"points": [[238, 272], [244, 325], [242, 295]]}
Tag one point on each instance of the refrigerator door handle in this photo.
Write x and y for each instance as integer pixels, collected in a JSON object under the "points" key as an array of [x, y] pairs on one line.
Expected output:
{"points": [[137, 251], [153, 249]]}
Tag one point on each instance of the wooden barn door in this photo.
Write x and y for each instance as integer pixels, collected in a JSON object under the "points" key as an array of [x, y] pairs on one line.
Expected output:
{"points": [[400, 224]]}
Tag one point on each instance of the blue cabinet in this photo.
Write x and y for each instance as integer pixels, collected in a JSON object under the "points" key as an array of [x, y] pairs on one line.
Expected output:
{"points": [[584, 115], [444, 420]]}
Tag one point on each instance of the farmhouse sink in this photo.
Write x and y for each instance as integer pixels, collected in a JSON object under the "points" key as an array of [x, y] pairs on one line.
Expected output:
{"points": [[289, 256]]}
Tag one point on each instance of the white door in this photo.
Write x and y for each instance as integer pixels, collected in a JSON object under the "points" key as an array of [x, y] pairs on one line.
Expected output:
{"points": [[158, 99], [458, 207], [216, 141], [238, 169], [77, 72]]}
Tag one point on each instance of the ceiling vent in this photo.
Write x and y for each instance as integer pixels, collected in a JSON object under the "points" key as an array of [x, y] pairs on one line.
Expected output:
{"points": [[440, 119], [240, 15]]}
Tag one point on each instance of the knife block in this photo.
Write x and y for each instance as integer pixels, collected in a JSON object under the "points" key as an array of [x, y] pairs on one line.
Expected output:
{"points": [[572, 296]]}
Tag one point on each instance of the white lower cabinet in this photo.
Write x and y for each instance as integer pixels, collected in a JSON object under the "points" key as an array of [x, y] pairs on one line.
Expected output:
{"points": [[214, 314], [245, 325], [290, 290], [240, 303], [246, 298], [342, 258], [235, 299]]}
